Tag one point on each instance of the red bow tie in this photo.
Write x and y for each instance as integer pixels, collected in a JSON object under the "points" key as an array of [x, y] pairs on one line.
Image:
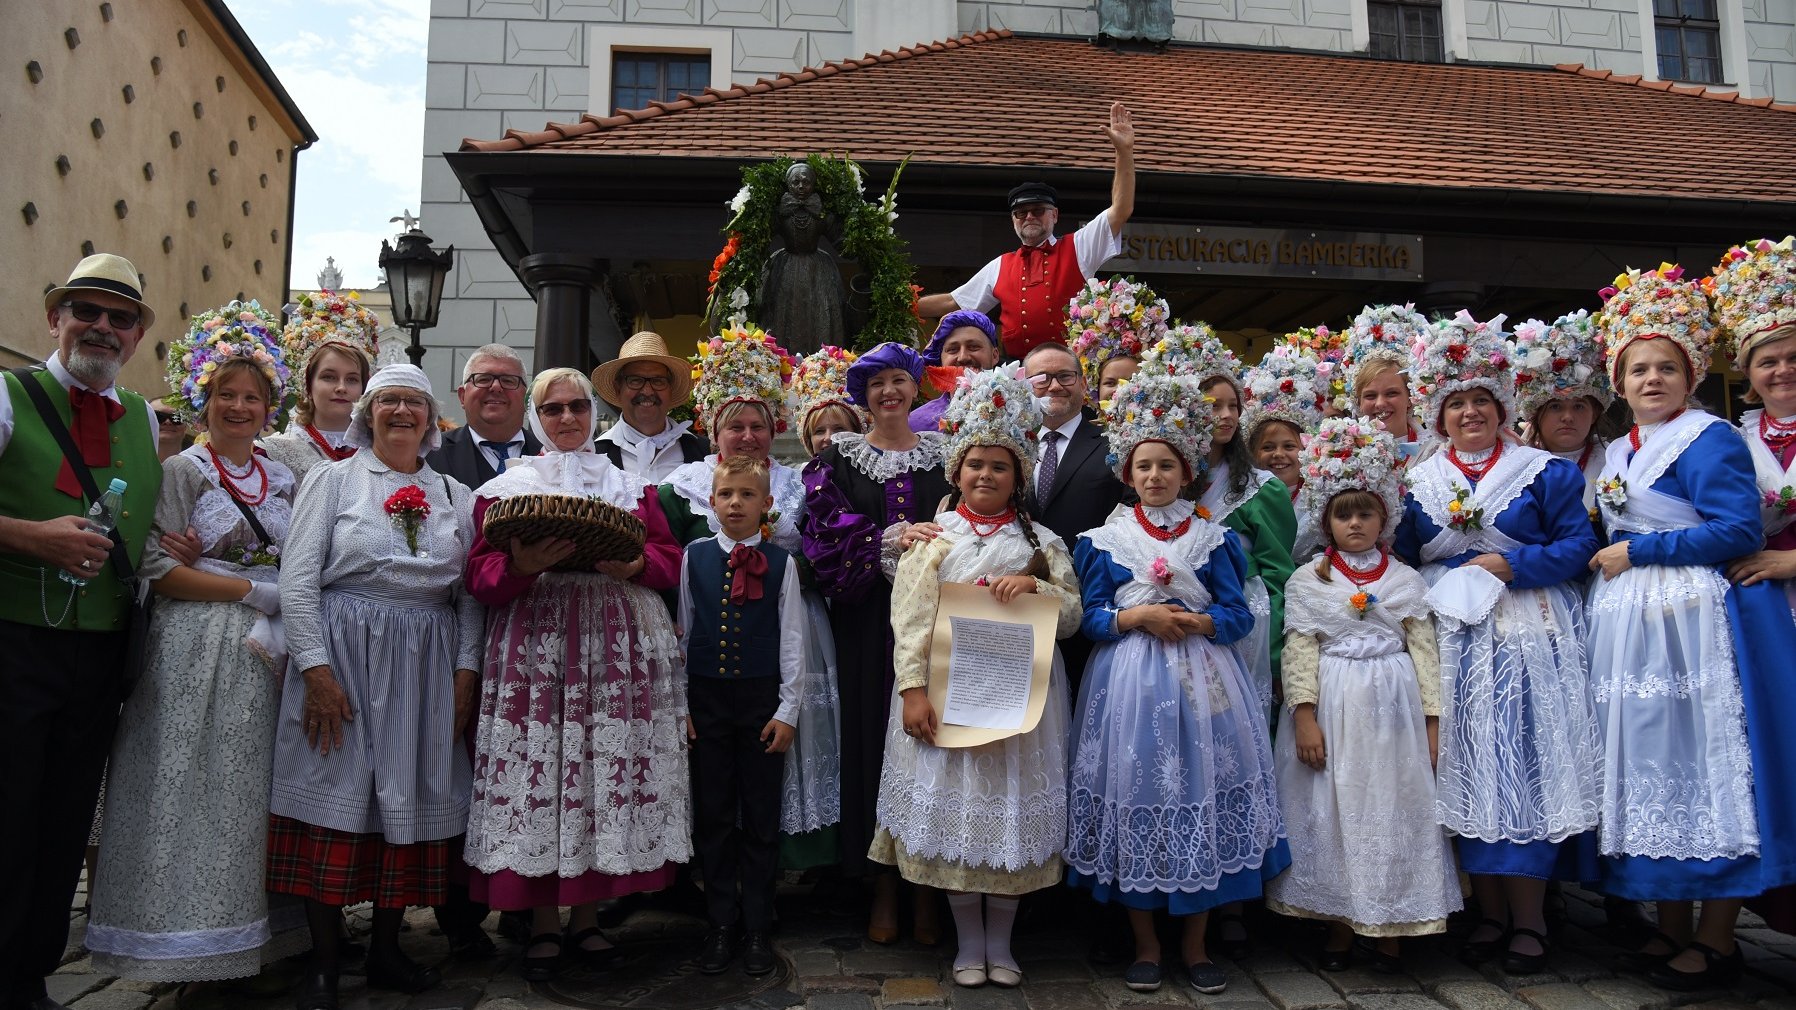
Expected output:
{"points": [[93, 415], [1035, 264], [747, 565]]}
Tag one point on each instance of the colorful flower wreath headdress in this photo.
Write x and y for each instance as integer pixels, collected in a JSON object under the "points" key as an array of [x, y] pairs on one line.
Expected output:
{"points": [[215, 336], [1121, 316], [740, 365], [1159, 407], [1282, 387], [327, 317], [1560, 361], [820, 379], [992, 407], [1329, 348], [1458, 354], [1656, 303], [1346, 454], [1192, 349], [1754, 291], [1381, 333]]}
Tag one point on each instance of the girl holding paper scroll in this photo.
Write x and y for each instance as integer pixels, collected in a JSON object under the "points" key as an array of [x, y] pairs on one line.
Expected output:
{"points": [[984, 823], [1499, 531], [1173, 803]]}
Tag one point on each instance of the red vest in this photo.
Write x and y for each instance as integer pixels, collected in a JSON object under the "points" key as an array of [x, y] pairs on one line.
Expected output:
{"points": [[1034, 300]]}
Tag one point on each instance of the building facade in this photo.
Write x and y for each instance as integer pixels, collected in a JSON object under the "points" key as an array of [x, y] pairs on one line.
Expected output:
{"points": [[152, 129], [500, 65]]}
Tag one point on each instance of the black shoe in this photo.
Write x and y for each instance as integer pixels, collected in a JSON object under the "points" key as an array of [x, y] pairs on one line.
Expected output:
{"points": [[1476, 952], [515, 926], [1143, 976], [1525, 964], [542, 967], [1720, 970], [596, 958], [401, 974], [1644, 960], [1336, 960], [471, 945], [1207, 977], [719, 950], [1234, 947], [758, 957], [319, 992], [1386, 964]]}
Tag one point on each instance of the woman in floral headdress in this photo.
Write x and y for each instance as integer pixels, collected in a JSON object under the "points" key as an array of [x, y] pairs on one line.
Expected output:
{"points": [[184, 838], [1173, 803], [1499, 531], [1284, 404], [1696, 800], [964, 342], [819, 393], [330, 341], [1328, 348], [1376, 366], [985, 823], [1562, 391], [739, 400], [863, 493], [1109, 325]]}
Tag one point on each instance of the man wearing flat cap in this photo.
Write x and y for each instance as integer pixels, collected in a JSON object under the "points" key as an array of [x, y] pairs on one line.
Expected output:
{"points": [[64, 639], [644, 382], [1033, 283]]}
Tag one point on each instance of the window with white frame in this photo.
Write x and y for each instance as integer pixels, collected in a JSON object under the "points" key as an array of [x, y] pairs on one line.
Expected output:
{"points": [[1405, 30], [1688, 37]]}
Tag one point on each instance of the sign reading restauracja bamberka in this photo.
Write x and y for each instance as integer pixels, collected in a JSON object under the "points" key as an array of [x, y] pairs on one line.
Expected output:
{"points": [[1268, 252]]}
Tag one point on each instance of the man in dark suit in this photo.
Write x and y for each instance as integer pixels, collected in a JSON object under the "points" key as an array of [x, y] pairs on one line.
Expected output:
{"points": [[492, 395]]}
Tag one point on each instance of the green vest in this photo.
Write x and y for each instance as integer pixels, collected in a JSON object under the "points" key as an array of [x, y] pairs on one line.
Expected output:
{"points": [[30, 591]]}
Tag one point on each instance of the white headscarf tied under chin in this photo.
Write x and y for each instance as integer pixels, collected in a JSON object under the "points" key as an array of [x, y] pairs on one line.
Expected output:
{"points": [[578, 471]]}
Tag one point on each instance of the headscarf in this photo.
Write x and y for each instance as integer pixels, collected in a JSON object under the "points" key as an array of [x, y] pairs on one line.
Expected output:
{"points": [[361, 425], [579, 471]]}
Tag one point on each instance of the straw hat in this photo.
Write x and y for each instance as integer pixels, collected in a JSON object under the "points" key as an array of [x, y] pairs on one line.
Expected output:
{"points": [[103, 272], [644, 346]]}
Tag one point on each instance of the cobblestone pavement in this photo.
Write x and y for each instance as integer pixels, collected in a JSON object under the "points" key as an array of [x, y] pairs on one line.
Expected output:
{"points": [[831, 967]]}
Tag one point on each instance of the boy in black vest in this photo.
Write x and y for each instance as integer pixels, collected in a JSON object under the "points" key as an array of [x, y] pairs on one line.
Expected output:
{"points": [[743, 628]]}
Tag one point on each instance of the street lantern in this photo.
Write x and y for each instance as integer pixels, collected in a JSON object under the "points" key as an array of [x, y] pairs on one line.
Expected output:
{"points": [[415, 275]]}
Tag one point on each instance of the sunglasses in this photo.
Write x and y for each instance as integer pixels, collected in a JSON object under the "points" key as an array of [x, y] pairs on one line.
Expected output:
{"points": [[88, 312], [579, 408], [1024, 213], [166, 419]]}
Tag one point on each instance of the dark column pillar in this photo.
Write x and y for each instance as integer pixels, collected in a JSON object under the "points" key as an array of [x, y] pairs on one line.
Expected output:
{"points": [[562, 284]]}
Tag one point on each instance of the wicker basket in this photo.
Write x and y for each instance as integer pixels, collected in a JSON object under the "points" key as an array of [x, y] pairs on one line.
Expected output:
{"points": [[600, 531]]}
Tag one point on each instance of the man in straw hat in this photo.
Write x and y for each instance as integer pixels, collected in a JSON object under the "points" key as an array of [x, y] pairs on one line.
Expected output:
{"points": [[644, 382], [65, 641]]}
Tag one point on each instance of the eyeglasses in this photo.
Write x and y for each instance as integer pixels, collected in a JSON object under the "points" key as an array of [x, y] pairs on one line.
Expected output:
{"points": [[578, 408], [394, 401], [166, 419], [483, 380], [1024, 213], [1041, 380], [88, 312], [634, 383]]}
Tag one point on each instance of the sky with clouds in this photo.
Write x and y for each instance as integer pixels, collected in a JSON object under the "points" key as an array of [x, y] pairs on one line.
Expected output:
{"points": [[355, 68]]}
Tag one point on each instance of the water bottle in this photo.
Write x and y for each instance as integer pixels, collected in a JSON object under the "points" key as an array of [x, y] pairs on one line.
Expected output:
{"points": [[101, 518]]}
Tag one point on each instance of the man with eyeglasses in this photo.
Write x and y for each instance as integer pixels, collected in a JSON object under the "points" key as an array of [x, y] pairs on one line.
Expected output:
{"points": [[644, 382], [492, 396], [1032, 284], [64, 641]]}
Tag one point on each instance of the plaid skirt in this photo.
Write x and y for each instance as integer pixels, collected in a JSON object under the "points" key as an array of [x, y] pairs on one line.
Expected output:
{"points": [[343, 868]]}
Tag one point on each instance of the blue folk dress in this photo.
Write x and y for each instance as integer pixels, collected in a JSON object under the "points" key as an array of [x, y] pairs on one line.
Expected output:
{"points": [[1519, 744], [1173, 796], [1689, 672]]}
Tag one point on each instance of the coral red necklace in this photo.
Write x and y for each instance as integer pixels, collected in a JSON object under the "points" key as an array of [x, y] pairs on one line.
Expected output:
{"points": [[992, 523], [228, 480], [326, 448], [1777, 435], [1634, 432], [1156, 532], [1356, 576], [1475, 472]]}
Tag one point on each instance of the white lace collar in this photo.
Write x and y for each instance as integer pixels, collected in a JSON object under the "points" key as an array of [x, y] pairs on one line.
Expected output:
{"points": [[880, 465], [1360, 560], [280, 479], [1478, 456], [580, 472], [1168, 516]]}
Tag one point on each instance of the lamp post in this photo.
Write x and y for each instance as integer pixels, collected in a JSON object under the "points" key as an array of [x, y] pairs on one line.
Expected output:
{"points": [[415, 275]]}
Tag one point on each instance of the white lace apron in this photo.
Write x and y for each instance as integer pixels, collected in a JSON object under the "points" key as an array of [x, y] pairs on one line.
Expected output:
{"points": [[1256, 647], [1517, 731], [1677, 774]]}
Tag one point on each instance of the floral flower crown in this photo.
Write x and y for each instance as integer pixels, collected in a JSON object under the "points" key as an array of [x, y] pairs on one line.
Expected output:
{"points": [[1108, 318], [1754, 291], [1192, 349], [1382, 332], [1329, 348], [740, 365], [1346, 454], [820, 379], [992, 407], [327, 317], [1159, 407], [1282, 387], [1457, 354], [1656, 303], [234, 330], [1558, 362]]}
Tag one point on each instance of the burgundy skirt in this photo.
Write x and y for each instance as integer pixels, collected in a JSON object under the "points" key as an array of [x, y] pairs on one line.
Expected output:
{"points": [[510, 892], [343, 868]]}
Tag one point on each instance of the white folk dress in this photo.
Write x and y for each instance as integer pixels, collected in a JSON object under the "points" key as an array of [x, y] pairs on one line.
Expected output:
{"points": [[179, 891], [1366, 848]]}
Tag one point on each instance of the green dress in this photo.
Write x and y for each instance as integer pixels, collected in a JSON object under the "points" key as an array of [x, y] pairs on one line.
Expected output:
{"points": [[1267, 525]]}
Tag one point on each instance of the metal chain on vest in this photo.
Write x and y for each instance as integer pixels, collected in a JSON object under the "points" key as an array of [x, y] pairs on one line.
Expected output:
{"points": [[43, 601]]}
